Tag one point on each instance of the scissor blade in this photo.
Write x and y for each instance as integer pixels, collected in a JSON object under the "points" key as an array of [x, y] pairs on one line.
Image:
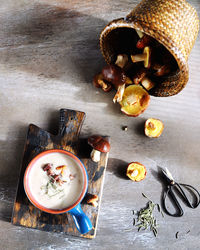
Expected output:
{"points": [[168, 175]]}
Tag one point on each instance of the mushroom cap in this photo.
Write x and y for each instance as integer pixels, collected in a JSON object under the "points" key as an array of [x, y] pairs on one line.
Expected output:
{"points": [[99, 82], [96, 79], [99, 143], [144, 41], [114, 74]]}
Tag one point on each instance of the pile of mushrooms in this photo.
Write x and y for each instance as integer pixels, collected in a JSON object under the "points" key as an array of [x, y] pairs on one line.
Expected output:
{"points": [[143, 68]]}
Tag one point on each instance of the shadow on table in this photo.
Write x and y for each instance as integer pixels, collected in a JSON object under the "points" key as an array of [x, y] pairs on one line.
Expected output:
{"points": [[117, 167], [56, 43], [11, 157]]}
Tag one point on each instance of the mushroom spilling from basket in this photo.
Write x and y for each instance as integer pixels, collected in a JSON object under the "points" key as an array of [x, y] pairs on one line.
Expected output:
{"points": [[148, 49], [135, 73]]}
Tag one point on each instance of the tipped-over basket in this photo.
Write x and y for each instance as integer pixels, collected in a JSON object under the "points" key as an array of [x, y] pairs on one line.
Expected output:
{"points": [[173, 23]]}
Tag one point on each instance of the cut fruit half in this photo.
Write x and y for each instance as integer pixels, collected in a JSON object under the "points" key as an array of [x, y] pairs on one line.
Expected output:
{"points": [[135, 100]]}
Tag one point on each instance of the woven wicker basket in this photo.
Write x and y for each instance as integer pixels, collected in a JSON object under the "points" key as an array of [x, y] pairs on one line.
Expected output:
{"points": [[173, 23]]}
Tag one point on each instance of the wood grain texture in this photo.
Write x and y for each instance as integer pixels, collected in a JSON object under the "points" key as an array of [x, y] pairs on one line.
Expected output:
{"points": [[49, 53], [38, 140]]}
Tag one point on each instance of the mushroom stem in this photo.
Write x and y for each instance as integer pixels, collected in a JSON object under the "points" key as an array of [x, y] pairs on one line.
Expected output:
{"points": [[147, 83], [95, 155], [134, 173], [122, 60], [103, 84], [138, 57], [94, 203], [119, 94], [140, 33], [145, 57]]}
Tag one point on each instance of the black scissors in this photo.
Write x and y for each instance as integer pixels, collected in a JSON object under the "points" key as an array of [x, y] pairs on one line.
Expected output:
{"points": [[174, 188]]}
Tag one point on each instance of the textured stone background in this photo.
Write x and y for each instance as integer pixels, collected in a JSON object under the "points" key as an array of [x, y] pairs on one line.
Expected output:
{"points": [[49, 52]]}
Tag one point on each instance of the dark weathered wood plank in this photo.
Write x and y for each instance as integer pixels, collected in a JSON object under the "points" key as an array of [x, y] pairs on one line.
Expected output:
{"points": [[38, 140]]}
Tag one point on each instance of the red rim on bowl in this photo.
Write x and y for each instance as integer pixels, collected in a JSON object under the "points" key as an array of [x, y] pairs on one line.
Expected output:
{"points": [[27, 187]]}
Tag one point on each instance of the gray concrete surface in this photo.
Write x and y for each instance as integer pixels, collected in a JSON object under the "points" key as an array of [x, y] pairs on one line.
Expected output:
{"points": [[49, 53]]}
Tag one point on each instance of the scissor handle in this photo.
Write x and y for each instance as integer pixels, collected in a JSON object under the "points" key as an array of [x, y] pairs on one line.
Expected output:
{"points": [[195, 193], [170, 193]]}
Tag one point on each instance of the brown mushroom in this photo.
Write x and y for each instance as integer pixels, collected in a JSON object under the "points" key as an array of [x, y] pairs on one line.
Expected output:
{"points": [[139, 75], [92, 200], [144, 41], [144, 57], [99, 82], [99, 145], [117, 76], [161, 70]]}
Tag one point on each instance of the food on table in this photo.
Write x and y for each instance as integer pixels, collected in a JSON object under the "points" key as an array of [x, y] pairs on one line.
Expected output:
{"points": [[136, 171], [116, 76], [51, 184], [92, 199], [62, 169], [135, 100], [99, 82], [145, 218], [141, 77], [99, 145], [145, 65], [153, 127]]}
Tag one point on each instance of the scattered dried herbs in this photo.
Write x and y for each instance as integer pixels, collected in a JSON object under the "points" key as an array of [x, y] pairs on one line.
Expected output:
{"points": [[145, 218], [51, 189]]}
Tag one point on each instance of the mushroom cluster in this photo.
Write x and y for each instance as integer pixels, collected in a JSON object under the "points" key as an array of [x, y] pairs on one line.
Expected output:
{"points": [[134, 75]]}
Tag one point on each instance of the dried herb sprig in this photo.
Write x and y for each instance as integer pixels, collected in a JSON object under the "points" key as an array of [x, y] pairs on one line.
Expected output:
{"points": [[145, 217]]}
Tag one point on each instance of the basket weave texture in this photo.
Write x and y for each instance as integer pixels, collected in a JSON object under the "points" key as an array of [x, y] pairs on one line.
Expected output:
{"points": [[174, 24]]}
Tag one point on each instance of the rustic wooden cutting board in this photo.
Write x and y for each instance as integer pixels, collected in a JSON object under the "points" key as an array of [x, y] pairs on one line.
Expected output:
{"points": [[38, 140]]}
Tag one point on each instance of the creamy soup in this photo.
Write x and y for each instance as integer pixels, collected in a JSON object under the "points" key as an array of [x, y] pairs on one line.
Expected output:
{"points": [[58, 187]]}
